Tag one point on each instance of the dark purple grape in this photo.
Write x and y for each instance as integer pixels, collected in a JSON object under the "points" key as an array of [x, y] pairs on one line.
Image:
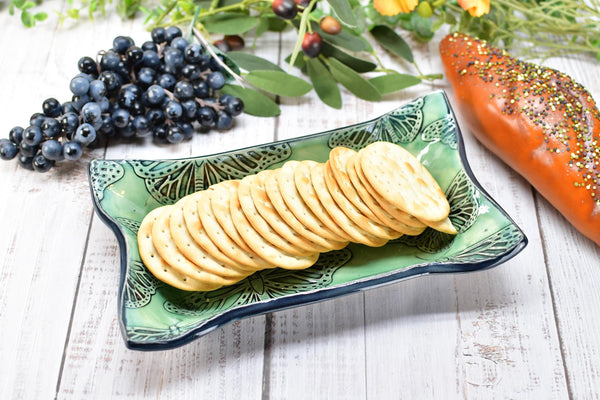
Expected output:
{"points": [[8, 149], [41, 163], [224, 121], [87, 65], [159, 35], [122, 43], [52, 150], [16, 135], [207, 117], [72, 151]]}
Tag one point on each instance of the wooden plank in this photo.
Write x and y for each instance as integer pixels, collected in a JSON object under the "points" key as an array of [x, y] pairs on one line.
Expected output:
{"points": [[573, 270], [45, 222], [226, 363], [318, 351], [485, 335]]}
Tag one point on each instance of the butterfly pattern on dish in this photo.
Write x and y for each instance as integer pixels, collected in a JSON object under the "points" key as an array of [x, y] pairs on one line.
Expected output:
{"points": [[262, 286], [139, 286], [464, 209], [167, 181], [399, 126], [103, 173], [444, 130], [497, 243]]}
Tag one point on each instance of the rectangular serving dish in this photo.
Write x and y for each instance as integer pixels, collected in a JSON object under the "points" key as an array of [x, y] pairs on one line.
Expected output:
{"points": [[154, 316]]}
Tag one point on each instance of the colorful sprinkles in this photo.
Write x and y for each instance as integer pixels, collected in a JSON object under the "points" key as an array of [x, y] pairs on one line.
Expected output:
{"points": [[539, 93]]}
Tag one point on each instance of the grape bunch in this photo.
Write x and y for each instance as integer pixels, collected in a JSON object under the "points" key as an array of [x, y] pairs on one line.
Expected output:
{"points": [[166, 89]]}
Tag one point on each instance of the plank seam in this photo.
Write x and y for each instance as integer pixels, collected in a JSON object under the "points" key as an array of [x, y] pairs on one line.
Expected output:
{"points": [[76, 295], [267, 354], [536, 202], [73, 308]]}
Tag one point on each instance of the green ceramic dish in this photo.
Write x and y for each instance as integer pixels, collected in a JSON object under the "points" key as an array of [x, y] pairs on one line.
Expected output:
{"points": [[154, 316]]}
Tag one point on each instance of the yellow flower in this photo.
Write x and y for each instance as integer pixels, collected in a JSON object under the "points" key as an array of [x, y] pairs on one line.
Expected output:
{"points": [[394, 7], [475, 7]]}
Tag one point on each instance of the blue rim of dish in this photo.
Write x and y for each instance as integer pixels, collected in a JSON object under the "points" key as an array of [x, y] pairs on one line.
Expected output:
{"points": [[294, 300]]}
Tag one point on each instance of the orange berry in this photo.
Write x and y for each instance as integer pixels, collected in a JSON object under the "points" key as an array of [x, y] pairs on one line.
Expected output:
{"points": [[330, 25]]}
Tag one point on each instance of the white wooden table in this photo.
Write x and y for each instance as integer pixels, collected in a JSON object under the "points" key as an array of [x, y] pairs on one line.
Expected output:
{"points": [[526, 329]]}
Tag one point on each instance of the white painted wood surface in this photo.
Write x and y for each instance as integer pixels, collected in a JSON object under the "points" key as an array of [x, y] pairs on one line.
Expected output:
{"points": [[526, 329]]}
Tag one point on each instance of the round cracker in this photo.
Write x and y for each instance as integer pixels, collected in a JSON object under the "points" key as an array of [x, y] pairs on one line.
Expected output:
{"points": [[353, 212], [307, 192], [291, 197], [401, 179], [192, 251], [264, 248], [167, 248], [267, 211], [156, 264], [391, 209], [373, 204], [444, 225], [359, 235], [220, 238], [196, 231], [272, 188], [219, 202], [261, 226], [338, 158]]}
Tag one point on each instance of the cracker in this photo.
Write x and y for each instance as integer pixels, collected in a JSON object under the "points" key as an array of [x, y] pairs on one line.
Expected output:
{"points": [[291, 197], [353, 212], [264, 248], [398, 224], [401, 179], [192, 251], [394, 211], [220, 238], [269, 213], [261, 226], [307, 192], [444, 225], [219, 202], [338, 158], [272, 188], [166, 247], [156, 264], [359, 235], [196, 231]]}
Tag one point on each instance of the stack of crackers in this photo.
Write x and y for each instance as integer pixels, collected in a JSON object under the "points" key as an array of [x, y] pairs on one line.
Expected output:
{"points": [[286, 217]]}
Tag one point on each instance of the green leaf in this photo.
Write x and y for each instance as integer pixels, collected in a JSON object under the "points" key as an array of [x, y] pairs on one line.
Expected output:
{"points": [[346, 39], [28, 4], [73, 13], [393, 82], [230, 23], [11, 9], [299, 62], [251, 62], [325, 85], [278, 82], [357, 64], [276, 24], [41, 16], [352, 81], [391, 41], [27, 19], [343, 10], [261, 27], [255, 102]]}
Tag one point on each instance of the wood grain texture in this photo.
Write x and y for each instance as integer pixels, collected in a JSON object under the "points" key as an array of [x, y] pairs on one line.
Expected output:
{"points": [[45, 221], [526, 329]]}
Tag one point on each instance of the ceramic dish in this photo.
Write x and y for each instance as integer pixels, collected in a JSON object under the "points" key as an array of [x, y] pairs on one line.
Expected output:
{"points": [[154, 316]]}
